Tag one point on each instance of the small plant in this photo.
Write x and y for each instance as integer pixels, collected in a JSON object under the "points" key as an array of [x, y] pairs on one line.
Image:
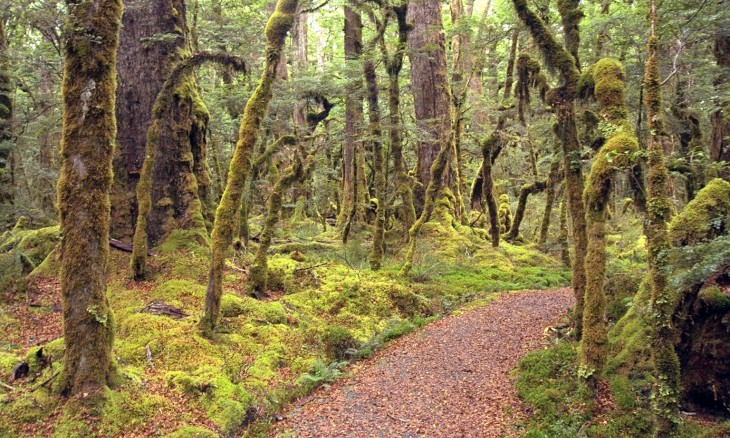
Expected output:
{"points": [[320, 373]]}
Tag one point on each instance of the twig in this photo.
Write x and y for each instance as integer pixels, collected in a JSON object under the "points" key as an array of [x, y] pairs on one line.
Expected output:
{"points": [[6, 386], [148, 352]]}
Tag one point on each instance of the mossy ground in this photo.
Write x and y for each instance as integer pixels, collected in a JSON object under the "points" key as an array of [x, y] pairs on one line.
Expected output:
{"points": [[326, 307]]}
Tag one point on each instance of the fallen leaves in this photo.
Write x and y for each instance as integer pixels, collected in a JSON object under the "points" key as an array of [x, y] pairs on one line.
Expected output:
{"points": [[450, 379]]}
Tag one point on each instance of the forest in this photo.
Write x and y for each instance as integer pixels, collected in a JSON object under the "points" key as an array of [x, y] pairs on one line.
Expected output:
{"points": [[361, 218]]}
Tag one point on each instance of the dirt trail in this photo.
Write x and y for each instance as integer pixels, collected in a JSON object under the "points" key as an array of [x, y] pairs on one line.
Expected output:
{"points": [[450, 379]]}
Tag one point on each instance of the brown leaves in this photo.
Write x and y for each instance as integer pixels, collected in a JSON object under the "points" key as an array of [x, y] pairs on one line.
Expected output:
{"points": [[450, 379]]}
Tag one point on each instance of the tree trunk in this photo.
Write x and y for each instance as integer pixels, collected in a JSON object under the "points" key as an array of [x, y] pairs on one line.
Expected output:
{"points": [[665, 361], [525, 191], [430, 89], [87, 146], [350, 208], [6, 118], [562, 99], [145, 60], [376, 255], [394, 65], [720, 143], [553, 178], [225, 224]]}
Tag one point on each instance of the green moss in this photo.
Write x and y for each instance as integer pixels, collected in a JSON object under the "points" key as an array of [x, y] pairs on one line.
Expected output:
{"points": [[715, 298], [192, 432], [704, 217], [338, 343]]}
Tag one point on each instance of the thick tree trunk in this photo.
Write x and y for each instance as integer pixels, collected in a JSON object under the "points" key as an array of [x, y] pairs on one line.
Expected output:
{"points": [[720, 143], [225, 224], [145, 60], [430, 89], [87, 146], [350, 208]]}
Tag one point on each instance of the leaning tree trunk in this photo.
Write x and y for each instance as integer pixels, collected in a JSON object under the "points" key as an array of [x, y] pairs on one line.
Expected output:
{"points": [[430, 89], [180, 180], [563, 100], [665, 392], [525, 191], [225, 224], [720, 143], [87, 146], [6, 117]]}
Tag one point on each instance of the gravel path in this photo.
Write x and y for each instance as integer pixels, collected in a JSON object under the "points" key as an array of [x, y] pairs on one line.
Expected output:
{"points": [[450, 379]]}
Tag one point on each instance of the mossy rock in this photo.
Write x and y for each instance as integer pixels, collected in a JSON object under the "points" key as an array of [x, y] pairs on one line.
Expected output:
{"points": [[271, 312], [21, 250]]}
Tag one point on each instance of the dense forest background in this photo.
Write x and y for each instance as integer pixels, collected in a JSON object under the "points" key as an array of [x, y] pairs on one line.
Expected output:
{"points": [[300, 182]]}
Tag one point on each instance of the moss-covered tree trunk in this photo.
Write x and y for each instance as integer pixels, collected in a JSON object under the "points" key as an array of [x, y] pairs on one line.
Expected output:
{"points": [[351, 208], [87, 146], [259, 274], [525, 191], [563, 101], [491, 148], [665, 391], [393, 66], [550, 192], [618, 152], [187, 209], [720, 143], [376, 255], [154, 38], [225, 224], [6, 117], [430, 88]]}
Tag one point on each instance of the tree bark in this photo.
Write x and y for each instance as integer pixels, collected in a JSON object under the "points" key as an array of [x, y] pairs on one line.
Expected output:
{"points": [[376, 255], [87, 147], [430, 89], [154, 38]]}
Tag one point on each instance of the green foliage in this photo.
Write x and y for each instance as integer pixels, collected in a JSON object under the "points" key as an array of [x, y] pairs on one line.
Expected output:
{"points": [[320, 373]]}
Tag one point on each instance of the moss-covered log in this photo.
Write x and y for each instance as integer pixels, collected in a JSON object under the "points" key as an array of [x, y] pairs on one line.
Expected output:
{"points": [[87, 146], [562, 100], [187, 207], [225, 224], [618, 152], [525, 191]]}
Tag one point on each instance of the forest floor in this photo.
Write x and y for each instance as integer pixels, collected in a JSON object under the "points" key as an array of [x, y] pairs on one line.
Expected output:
{"points": [[449, 379]]}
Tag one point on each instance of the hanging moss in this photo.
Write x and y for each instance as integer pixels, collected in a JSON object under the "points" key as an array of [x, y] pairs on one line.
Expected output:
{"points": [[87, 143], [529, 75]]}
